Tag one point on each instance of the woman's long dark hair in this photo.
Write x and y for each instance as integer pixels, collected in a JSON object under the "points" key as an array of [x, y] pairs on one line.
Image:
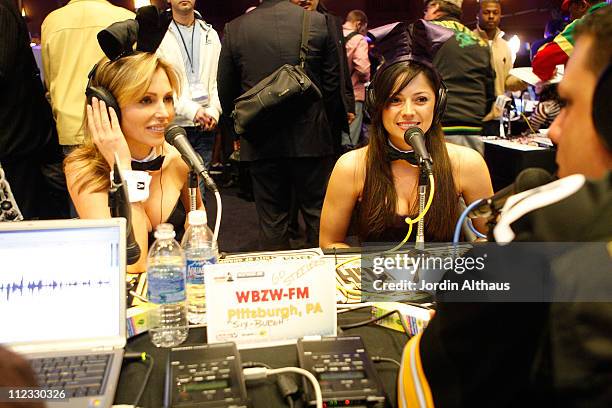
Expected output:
{"points": [[379, 198]]}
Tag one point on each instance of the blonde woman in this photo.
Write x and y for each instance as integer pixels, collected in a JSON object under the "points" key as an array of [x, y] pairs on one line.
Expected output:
{"points": [[144, 87]]}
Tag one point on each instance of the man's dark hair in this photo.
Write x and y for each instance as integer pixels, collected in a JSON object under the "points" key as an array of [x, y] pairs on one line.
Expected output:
{"points": [[481, 2], [357, 15], [447, 8], [598, 26]]}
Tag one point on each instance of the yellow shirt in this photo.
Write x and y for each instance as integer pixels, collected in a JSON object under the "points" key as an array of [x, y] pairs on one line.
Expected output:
{"points": [[69, 50]]}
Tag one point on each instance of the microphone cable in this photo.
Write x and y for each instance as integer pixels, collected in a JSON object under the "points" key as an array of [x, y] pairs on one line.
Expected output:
{"points": [[411, 221], [141, 358], [461, 219], [351, 294], [218, 218]]}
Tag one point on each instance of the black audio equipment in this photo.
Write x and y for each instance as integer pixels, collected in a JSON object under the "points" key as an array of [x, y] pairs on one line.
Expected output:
{"points": [[208, 375], [344, 370]]}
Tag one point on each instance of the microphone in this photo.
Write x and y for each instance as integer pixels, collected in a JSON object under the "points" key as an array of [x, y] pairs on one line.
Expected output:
{"points": [[120, 207], [414, 137], [177, 137], [526, 180]]}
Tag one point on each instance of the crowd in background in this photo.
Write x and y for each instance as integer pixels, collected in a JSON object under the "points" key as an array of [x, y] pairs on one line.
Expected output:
{"points": [[287, 164]]}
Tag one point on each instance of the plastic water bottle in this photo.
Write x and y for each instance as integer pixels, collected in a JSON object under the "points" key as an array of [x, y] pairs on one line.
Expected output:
{"points": [[200, 250], [166, 289]]}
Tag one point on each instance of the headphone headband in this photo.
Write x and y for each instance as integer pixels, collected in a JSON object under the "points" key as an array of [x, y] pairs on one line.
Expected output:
{"points": [[439, 108], [601, 110]]}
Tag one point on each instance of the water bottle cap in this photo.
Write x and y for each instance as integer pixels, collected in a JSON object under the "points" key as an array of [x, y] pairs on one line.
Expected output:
{"points": [[197, 217], [164, 231]]}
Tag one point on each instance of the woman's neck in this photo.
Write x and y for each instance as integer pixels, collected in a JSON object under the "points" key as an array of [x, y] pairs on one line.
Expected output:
{"points": [[139, 151], [398, 149]]}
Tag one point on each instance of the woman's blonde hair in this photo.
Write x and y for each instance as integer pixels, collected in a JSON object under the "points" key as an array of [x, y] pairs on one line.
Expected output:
{"points": [[127, 79]]}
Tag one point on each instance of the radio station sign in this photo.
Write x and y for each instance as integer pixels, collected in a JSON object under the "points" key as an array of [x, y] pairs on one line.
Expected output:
{"points": [[260, 304]]}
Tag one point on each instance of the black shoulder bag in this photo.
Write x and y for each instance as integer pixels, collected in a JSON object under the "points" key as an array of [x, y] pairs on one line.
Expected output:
{"points": [[277, 89]]}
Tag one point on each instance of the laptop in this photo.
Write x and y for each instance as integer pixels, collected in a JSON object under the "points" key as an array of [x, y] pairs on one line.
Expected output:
{"points": [[62, 304]]}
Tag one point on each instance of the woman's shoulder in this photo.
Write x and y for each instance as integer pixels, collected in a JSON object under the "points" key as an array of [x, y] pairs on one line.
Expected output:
{"points": [[352, 163], [467, 165], [462, 156], [470, 171], [84, 169], [353, 158]]}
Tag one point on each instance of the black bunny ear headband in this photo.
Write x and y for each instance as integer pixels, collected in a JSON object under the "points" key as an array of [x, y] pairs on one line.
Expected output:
{"points": [[147, 31]]}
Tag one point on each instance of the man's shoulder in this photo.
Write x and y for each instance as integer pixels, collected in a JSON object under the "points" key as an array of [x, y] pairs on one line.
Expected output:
{"points": [[353, 36], [94, 11], [208, 28], [567, 32], [287, 12], [463, 35]]}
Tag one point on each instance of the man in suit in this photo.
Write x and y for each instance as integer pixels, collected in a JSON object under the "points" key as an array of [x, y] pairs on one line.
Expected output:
{"points": [[27, 142], [290, 150]]}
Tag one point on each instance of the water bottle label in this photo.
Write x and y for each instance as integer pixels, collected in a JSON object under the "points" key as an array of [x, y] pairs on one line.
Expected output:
{"points": [[167, 290], [195, 269]]}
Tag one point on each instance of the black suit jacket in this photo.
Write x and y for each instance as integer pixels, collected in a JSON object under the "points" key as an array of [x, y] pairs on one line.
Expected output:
{"points": [[345, 100], [25, 115], [254, 46]]}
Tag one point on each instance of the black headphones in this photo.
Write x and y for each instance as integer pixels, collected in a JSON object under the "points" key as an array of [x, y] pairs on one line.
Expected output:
{"points": [[439, 108], [101, 93], [601, 110]]}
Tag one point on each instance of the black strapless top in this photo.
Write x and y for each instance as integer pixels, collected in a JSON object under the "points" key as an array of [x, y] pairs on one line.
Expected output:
{"points": [[396, 232], [177, 218]]}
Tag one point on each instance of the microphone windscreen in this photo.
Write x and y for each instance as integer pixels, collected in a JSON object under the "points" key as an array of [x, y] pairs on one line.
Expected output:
{"points": [[172, 132], [531, 178], [414, 137]]}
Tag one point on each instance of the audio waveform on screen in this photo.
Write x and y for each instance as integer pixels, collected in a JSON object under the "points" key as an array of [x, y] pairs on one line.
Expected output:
{"points": [[30, 287]]}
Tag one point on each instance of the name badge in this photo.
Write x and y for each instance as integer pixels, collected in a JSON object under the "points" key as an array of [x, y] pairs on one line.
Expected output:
{"points": [[199, 93]]}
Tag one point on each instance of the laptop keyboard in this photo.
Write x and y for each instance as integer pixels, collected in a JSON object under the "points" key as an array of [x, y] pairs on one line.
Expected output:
{"points": [[79, 376]]}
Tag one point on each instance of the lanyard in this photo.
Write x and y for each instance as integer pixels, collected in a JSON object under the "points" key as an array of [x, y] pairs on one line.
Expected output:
{"points": [[189, 57]]}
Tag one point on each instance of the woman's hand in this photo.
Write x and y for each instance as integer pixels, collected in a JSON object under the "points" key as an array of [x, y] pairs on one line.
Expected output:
{"points": [[106, 133]]}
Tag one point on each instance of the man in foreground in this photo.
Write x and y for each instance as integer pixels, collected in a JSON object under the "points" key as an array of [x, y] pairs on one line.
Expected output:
{"points": [[536, 354]]}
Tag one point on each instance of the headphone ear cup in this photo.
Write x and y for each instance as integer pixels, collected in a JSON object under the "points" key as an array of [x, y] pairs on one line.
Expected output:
{"points": [[601, 110], [103, 94], [370, 100], [440, 107]]}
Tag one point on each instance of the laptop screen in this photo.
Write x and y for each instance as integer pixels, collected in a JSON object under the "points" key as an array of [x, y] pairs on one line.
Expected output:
{"points": [[61, 283]]}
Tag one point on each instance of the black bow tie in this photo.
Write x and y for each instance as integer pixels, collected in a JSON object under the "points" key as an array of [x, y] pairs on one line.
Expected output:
{"points": [[394, 154], [151, 165]]}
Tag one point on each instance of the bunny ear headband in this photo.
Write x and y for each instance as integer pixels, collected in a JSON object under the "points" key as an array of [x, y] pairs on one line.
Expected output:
{"points": [[147, 31], [419, 42]]}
